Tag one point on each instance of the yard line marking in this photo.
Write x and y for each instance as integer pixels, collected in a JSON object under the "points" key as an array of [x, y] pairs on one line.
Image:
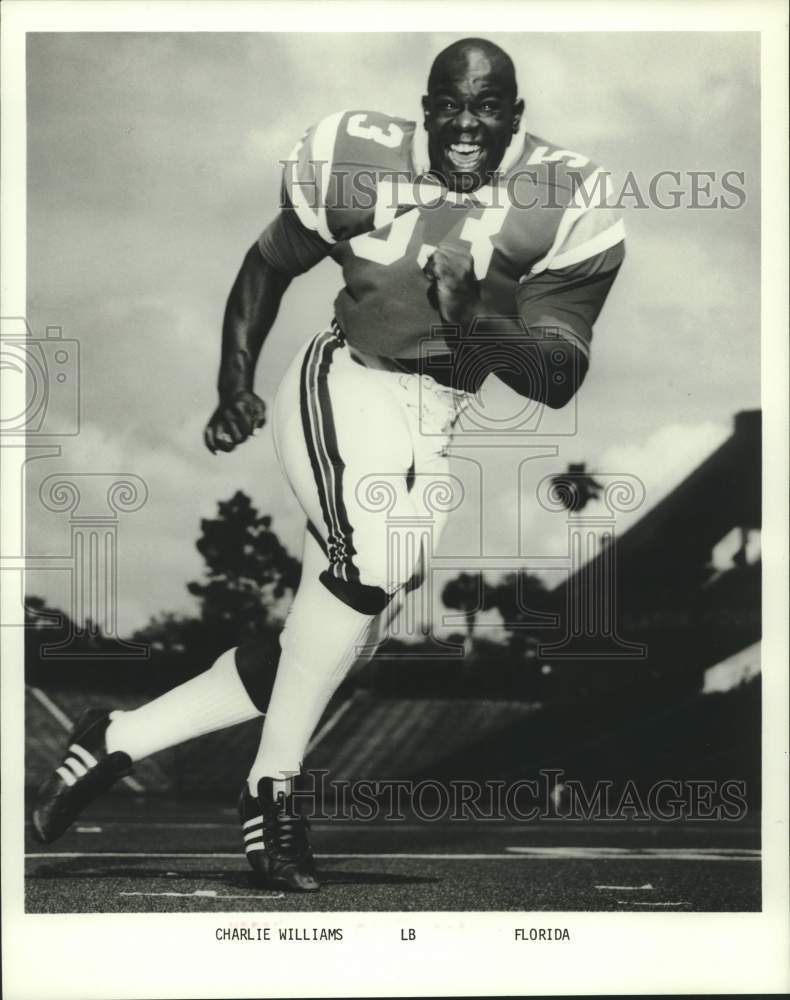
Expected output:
{"points": [[52, 708], [328, 727], [238, 856], [138, 827], [626, 888], [732, 851], [206, 894], [547, 854], [57, 713], [327, 823], [636, 853], [519, 855], [641, 902], [607, 851], [88, 829], [41, 855]]}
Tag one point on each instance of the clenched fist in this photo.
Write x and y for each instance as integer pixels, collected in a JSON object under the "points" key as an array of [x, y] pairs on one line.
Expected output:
{"points": [[234, 420], [454, 287]]}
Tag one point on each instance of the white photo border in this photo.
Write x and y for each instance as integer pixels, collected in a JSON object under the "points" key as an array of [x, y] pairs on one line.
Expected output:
{"points": [[175, 955]]}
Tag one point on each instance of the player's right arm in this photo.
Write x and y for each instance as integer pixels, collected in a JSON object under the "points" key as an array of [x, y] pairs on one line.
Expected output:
{"points": [[288, 247], [250, 312]]}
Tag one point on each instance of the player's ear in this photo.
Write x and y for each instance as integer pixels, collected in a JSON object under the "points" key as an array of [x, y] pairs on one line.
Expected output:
{"points": [[518, 111], [426, 110]]}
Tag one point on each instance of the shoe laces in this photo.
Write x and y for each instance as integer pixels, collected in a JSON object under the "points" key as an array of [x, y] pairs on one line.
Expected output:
{"points": [[289, 829]]}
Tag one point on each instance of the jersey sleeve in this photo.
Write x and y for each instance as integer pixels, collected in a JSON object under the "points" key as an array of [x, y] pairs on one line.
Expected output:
{"points": [[289, 246], [299, 237], [565, 290]]}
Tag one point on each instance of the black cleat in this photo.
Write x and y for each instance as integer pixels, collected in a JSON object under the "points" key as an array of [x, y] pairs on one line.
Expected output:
{"points": [[86, 771], [276, 841]]}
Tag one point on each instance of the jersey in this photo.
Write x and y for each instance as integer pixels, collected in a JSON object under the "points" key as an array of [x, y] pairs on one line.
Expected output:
{"points": [[545, 246]]}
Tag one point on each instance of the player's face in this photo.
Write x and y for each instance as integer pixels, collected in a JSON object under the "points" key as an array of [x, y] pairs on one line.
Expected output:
{"points": [[470, 118]]}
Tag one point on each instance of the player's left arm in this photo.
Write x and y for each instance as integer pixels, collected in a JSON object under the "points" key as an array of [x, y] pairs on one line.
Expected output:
{"points": [[560, 306], [558, 302]]}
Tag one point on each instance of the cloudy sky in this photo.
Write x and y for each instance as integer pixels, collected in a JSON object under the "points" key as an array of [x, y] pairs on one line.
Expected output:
{"points": [[153, 165]]}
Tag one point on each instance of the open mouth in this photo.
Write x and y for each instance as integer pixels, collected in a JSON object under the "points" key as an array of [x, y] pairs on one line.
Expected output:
{"points": [[465, 155]]}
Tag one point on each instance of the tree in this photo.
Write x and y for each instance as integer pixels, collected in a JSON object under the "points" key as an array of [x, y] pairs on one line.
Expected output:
{"points": [[248, 570], [48, 627], [524, 603], [172, 635], [465, 594], [576, 488]]}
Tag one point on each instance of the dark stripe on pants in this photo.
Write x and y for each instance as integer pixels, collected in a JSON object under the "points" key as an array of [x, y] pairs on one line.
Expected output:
{"points": [[327, 465]]}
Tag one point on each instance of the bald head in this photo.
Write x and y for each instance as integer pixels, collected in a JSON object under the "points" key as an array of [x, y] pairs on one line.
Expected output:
{"points": [[471, 112], [473, 54]]}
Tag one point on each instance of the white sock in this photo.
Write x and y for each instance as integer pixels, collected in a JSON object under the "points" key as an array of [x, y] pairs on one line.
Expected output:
{"points": [[213, 700], [373, 639], [320, 643]]}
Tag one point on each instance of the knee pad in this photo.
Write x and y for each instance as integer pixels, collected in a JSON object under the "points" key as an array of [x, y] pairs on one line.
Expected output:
{"points": [[367, 599], [368, 584], [359, 596]]}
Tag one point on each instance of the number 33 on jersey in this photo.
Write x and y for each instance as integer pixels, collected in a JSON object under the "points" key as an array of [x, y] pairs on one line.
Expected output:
{"points": [[356, 188]]}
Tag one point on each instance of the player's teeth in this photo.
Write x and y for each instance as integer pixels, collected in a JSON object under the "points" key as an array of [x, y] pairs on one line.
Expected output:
{"points": [[463, 147]]}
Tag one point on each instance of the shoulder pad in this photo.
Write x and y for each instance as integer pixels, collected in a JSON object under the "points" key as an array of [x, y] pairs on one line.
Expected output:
{"points": [[347, 141], [560, 172]]}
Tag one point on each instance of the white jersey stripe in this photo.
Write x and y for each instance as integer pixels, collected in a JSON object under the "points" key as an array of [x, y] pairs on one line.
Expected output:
{"points": [[87, 758], [323, 156], [249, 848], [583, 202], [305, 212], [252, 835], [257, 821], [603, 241]]}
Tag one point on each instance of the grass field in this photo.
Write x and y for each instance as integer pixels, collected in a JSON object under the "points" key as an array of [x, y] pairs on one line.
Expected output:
{"points": [[129, 854]]}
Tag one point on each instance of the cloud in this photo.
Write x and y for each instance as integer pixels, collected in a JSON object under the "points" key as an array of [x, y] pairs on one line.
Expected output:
{"points": [[660, 461], [156, 544], [664, 460], [153, 166]]}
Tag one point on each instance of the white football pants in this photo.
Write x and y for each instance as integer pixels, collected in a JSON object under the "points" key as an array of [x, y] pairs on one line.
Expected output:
{"points": [[364, 448]]}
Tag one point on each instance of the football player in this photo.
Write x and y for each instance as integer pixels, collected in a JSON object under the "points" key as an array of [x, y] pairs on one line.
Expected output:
{"points": [[462, 232]]}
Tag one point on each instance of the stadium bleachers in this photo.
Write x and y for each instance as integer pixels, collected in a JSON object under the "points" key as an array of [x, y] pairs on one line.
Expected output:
{"points": [[379, 739]]}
